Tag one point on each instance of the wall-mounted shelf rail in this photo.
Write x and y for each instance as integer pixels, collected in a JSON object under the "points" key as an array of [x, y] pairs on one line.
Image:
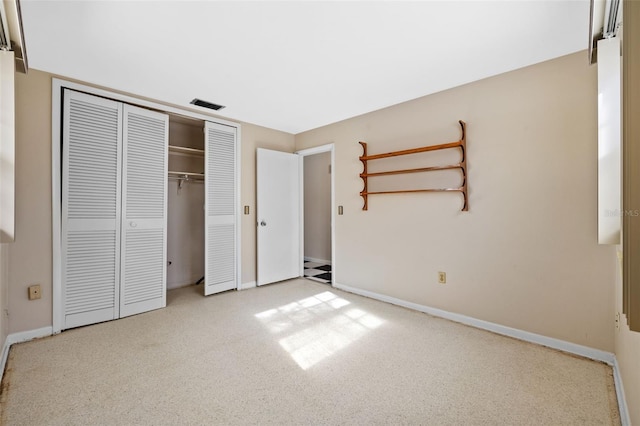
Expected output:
{"points": [[462, 166], [186, 151]]}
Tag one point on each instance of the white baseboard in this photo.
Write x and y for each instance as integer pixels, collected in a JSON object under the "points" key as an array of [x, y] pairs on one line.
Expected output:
{"points": [[5, 354], [561, 345], [23, 336], [247, 285], [584, 351], [625, 420], [316, 260]]}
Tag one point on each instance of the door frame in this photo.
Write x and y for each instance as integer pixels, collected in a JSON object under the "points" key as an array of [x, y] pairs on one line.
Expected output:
{"points": [[57, 86], [303, 153]]}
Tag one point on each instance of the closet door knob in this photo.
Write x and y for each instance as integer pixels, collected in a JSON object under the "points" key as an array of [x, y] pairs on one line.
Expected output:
{"points": [[133, 224], [263, 223]]}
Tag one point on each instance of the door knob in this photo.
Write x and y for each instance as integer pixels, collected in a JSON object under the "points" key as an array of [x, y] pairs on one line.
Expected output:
{"points": [[263, 223], [133, 224]]}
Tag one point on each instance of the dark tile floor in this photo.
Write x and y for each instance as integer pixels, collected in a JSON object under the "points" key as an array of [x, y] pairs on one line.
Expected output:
{"points": [[318, 271]]}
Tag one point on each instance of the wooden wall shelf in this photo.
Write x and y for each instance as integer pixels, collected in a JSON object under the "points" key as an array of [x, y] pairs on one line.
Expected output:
{"points": [[462, 166]]}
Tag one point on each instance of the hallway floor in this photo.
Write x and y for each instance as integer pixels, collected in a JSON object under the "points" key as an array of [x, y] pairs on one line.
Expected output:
{"points": [[320, 272]]}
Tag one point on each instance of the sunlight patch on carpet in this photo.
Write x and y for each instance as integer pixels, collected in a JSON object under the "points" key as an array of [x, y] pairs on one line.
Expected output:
{"points": [[317, 326]]}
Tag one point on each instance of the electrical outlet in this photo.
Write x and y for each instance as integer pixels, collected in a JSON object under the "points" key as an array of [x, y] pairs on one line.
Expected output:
{"points": [[442, 277], [618, 321], [35, 292]]}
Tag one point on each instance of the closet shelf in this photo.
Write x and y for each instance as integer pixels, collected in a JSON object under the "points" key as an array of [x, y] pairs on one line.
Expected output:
{"points": [[462, 165], [186, 151]]}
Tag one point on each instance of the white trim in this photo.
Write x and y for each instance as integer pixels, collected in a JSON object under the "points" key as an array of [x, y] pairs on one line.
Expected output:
{"points": [[315, 150], [238, 218], [247, 285], [625, 420], [316, 260], [24, 336], [301, 213], [56, 205], [311, 151], [561, 345], [5, 356], [56, 176]]}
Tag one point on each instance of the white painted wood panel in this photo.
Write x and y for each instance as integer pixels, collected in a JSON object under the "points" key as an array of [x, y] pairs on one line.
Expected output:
{"points": [[278, 212], [91, 185], [220, 208], [144, 222]]}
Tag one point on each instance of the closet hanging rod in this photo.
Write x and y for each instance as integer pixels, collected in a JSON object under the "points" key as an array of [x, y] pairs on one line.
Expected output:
{"points": [[186, 178], [186, 174]]}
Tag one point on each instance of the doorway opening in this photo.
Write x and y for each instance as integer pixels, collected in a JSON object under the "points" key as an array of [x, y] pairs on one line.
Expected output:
{"points": [[317, 218], [185, 202]]}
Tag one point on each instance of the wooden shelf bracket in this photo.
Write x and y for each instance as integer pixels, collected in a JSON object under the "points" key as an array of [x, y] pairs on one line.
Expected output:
{"points": [[462, 166]]}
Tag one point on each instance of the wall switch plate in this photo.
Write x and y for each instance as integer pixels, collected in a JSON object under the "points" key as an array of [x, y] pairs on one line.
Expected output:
{"points": [[442, 277], [35, 292]]}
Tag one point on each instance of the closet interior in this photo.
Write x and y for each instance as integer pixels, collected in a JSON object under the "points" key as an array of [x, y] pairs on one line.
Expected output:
{"points": [[185, 202]]}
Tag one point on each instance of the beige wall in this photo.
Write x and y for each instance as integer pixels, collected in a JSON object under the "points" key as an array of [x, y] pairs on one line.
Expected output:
{"points": [[526, 253], [317, 206], [30, 257]]}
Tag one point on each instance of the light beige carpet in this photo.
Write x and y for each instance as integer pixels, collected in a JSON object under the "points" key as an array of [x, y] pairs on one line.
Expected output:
{"points": [[297, 352]]}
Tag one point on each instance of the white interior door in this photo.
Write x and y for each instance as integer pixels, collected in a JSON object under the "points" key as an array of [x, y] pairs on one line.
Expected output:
{"points": [[220, 208], [91, 189], [144, 205], [278, 214]]}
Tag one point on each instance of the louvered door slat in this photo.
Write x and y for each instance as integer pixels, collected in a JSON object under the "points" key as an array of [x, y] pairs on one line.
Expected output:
{"points": [[221, 170], [144, 265], [221, 254], [221, 203], [90, 208], [144, 224]]}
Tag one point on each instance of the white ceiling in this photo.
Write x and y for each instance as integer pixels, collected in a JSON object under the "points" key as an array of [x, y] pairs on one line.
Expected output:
{"points": [[295, 66]]}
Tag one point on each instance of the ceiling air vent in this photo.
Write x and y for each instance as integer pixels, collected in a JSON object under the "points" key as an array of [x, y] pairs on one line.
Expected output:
{"points": [[205, 104]]}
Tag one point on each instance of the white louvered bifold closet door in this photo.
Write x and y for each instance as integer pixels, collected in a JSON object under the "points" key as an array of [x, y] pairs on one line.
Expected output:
{"points": [[144, 206], [220, 208], [91, 158]]}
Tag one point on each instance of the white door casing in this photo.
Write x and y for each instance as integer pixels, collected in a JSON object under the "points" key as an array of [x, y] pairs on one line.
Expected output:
{"points": [[302, 154], [144, 211], [91, 209], [278, 214], [220, 208]]}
